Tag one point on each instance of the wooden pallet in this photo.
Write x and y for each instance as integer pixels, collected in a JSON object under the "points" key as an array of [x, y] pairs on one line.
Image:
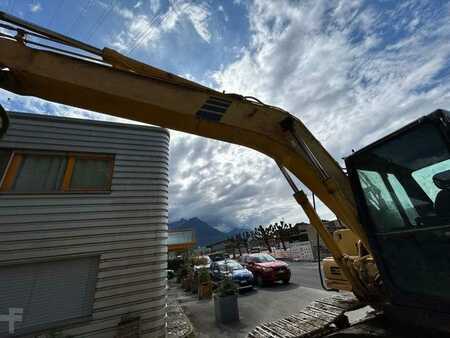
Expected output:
{"points": [[321, 317]]}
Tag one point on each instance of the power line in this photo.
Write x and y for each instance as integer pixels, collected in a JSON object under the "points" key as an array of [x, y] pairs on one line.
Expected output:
{"points": [[151, 28], [142, 37], [138, 39], [100, 21]]}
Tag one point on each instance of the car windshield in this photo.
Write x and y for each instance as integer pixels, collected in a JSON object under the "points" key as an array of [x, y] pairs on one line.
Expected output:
{"points": [[230, 266], [263, 258], [216, 257]]}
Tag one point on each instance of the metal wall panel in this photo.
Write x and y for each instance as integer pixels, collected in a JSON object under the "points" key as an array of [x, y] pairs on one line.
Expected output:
{"points": [[126, 228]]}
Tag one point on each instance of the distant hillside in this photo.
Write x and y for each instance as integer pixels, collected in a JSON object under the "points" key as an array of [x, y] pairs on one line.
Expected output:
{"points": [[205, 233]]}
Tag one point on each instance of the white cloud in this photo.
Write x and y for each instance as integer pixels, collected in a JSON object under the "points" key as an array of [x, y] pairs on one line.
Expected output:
{"points": [[342, 90], [28, 104], [222, 10], [35, 7], [124, 12], [198, 15], [155, 5], [305, 58], [142, 30]]}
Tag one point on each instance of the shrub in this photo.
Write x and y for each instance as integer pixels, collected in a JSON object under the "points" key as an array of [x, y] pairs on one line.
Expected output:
{"points": [[227, 288], [183, 271], [203, 276]]}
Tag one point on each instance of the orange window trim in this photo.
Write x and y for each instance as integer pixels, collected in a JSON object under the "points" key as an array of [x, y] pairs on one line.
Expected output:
{"points": [[68, 174], [11, 171], [17, 157]]}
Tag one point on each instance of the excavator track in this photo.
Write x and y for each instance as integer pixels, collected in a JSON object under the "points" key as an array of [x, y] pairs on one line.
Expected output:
{"points": [[321, 317]]}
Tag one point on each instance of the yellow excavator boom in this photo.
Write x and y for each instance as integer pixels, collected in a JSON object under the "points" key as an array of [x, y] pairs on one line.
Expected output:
{"points": [[119, 86]]}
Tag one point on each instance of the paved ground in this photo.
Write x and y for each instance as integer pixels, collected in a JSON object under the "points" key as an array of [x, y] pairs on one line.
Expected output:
{"points": [[305, 274], [261, 305]]}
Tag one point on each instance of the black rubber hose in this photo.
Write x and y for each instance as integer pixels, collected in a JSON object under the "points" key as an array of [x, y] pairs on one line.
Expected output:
{"points": [[319, 267], [4, 121]]}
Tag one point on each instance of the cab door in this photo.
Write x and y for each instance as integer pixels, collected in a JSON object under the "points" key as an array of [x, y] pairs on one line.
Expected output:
{"points": [[394, 181]]}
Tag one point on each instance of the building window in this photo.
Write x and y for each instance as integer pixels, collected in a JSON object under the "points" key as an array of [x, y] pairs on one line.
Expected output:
{"points": [[90, 173], [45, 172], [37, 173], [50, 294]]}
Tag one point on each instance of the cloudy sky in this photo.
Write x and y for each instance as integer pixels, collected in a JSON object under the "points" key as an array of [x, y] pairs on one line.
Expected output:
{"points": [[352, 70]]}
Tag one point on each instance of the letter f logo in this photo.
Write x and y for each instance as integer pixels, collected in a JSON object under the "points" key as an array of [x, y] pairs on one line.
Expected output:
{"points": [[15, 315]]}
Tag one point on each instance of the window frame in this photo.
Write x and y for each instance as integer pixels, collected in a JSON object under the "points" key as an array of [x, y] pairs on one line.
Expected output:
{"points": [[71, 164], [16, 158]]}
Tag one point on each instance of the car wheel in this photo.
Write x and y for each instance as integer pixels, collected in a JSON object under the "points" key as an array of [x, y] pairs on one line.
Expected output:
{"points": [[259, 281], [286, 281]]}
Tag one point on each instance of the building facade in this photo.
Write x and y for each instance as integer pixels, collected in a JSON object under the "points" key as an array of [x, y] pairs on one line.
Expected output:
{"points": [[180, 241], [83, 227], [310, 234]]}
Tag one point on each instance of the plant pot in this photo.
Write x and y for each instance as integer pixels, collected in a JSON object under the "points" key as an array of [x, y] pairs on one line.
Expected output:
{"points": [[186, 283], [194, 285], [205, 291], [226, 308]]}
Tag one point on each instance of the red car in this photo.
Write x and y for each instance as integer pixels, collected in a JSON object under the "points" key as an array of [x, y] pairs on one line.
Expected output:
{"points": [[266, 269]]}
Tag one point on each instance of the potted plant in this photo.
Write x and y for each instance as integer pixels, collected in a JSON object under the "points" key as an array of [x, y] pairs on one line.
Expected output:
{"points": [[194, 281], [204, 284], [181, 272], [184, 277], [225, 302], [188, 280]]}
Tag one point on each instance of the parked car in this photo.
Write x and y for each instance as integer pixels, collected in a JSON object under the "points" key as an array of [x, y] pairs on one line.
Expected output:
{"points": [[242, 258], [266, 269], [242, 277], [218, 256]]}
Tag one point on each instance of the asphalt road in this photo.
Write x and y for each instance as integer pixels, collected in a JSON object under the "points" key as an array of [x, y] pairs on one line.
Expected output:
{"points": [[305, 274], [260, 305]]}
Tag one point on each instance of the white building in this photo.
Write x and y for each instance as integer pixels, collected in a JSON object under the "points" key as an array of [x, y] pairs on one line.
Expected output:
{"points": [[83, 227]]}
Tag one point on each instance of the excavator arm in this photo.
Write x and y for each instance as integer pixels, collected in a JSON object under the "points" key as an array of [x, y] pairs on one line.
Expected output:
{"points": [[116, 85]]}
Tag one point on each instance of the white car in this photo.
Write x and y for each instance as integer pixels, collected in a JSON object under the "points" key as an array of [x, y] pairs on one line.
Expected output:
{"points": [[201, 262]]}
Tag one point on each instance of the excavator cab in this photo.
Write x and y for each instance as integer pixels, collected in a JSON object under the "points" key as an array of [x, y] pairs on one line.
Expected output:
{"points": [[402, 189]]}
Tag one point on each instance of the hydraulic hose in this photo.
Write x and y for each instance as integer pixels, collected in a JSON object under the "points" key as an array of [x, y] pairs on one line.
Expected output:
{"points": [[319, 267]]}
